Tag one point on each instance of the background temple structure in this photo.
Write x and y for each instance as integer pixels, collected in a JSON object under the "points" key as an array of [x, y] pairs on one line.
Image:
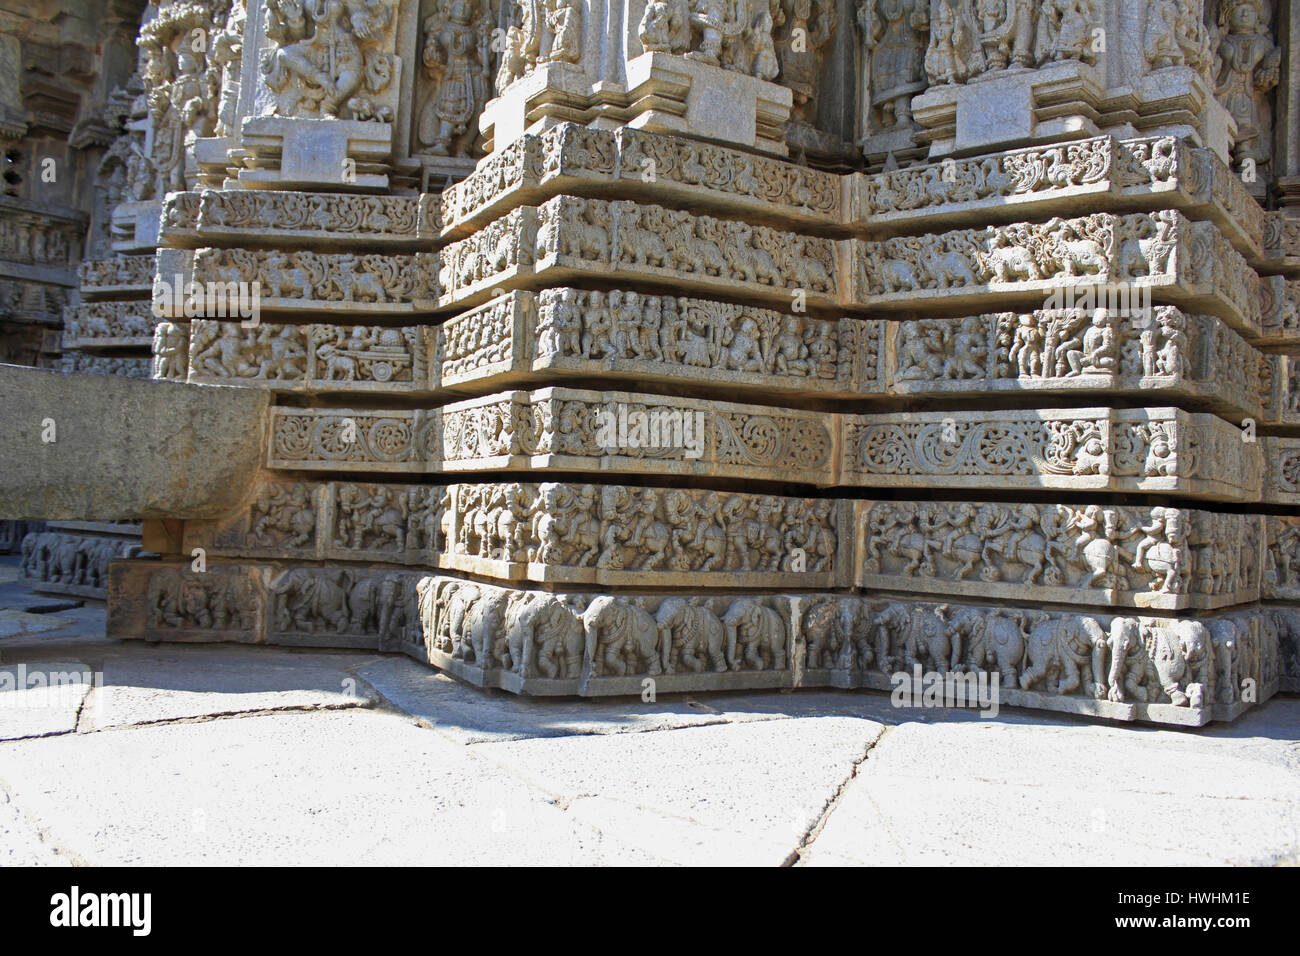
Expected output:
{"points": [[719, 343]]}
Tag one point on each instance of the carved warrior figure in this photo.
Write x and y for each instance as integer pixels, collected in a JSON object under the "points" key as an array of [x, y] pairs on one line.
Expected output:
{"points": [[328, 58], [1250, 62], [456, 58]]}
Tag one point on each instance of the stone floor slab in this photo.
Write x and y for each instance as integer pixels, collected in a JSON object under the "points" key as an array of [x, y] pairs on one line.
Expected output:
{"points": [[1085, 794], [729, 794], [16, 623], [470, 715], [196, 683], [325, 788], [40, 699]]}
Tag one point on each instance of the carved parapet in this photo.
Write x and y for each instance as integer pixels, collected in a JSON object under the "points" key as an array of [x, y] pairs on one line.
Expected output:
{"points": [[563, 430], [393, 524], [1110, 175], [648, 167], [107, 325], [116, 276], [1280, 389], [521, 338], [153, 601], [1287, 622], [219, 217], [1161, 450], [1083, 449], [570, 237], [1091, 261], [322, 282], [543, 644], [1156, 557], [259, 604], [620, 535], [1075, 351], [575, 333]]}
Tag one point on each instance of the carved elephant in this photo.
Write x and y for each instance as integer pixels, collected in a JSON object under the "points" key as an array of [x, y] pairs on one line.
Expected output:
{"points": [[690, 635], [1071, 649], [65, 560], [1198, 651], [455, 601], [544, 637], [993, 640], [1010, 264], [1234, 658], [1145, 662], [755, 636], [824, 637], [897, 276], [621, 637], [927, 641], [484, 633]]}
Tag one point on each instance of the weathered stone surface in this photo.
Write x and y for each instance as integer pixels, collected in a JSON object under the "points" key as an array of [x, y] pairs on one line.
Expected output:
{"points": [[124, 449]]}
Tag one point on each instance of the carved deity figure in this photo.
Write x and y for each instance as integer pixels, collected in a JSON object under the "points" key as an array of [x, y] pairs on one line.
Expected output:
{"points": [[325, 57], [665, 26], [1249, 70], [456, 58], [1174, 35], [809, 26], [563, 38], [227, 54], [955, 53], [179, 90], [896, 33]]}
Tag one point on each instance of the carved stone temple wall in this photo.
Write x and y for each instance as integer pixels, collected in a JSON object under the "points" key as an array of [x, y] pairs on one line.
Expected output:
{"points": [[66, 83], [728, 343]]}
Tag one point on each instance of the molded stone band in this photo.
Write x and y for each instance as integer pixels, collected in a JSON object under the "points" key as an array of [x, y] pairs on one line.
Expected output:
{"points": [[1103, 173], [1154, 557], [1180, 671], [1127, 556], [1154, 450], [523, 337]]}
